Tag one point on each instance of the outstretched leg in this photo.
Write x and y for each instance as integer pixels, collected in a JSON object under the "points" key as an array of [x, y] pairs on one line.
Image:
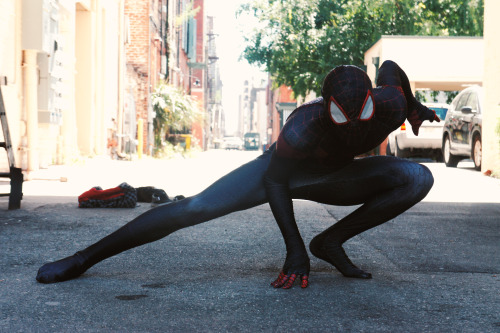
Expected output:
{"points": [[386, 187], [241, 189]]}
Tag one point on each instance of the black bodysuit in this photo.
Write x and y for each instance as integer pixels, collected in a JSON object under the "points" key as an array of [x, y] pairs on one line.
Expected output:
{"points": [[313, 159]]}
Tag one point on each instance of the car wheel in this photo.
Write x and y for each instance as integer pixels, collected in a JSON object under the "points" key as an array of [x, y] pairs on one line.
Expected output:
{"points": [[449, 159], [403, 153], [438, 155], [388, 149], [477, 152]]}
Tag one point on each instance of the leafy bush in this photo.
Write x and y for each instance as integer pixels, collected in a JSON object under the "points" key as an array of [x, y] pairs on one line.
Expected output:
{"points": [[175, 112]]}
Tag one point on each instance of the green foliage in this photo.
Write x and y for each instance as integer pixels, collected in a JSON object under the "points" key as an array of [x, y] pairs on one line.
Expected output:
{"points": [[187, 13], [433, 96], [498, 131], [168, 150], [450, 95], [175, 111], [300, 41]]}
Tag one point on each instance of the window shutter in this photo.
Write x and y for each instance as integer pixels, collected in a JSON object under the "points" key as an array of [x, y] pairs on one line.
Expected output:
{"points": [[192, 40]]}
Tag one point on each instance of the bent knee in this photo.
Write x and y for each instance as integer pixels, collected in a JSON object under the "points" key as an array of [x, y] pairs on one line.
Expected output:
{"points": [[417, 178], [426, 176]]}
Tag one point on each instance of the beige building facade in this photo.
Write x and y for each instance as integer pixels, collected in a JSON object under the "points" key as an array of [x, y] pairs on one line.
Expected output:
{"points": [[491, 83], [431, 63], [60, 77]]}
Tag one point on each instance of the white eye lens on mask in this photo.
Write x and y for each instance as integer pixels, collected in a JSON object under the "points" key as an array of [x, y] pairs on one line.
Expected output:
{"points": [[368, 109], [338, 115]]}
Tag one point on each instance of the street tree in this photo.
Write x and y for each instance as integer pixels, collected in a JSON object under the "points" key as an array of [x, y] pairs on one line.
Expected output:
{"points": [[299, 41]]}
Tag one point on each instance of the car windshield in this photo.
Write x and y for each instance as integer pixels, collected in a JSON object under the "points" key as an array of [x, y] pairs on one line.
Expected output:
{"points": [[440, 112]]}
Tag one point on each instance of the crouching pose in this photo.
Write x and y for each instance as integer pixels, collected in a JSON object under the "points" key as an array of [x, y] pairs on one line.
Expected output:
{"points": [[313, 159]]}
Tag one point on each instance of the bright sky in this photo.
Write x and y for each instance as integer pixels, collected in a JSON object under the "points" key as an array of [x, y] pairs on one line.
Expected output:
{"points": [[230, 45]]}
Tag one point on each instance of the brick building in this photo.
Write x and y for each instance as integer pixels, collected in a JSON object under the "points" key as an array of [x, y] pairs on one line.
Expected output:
{"points": [[166, 42], [281, 104], [185, 53], [145, 24]]}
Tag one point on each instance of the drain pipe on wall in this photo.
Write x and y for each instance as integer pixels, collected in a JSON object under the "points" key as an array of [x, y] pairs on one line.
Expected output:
{"points": [[30, 68]]}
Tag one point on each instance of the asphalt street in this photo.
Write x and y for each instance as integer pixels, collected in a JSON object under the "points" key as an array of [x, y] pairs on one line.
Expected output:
{"points": [[436, 268]]}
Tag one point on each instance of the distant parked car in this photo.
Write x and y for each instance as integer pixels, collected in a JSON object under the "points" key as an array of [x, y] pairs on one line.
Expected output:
{"points": [[232, 142], [462, 131], [252, 141], [403, 143]]}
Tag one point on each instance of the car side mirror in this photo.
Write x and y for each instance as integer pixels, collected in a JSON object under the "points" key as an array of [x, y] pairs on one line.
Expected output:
{"points": [[466, 109]]}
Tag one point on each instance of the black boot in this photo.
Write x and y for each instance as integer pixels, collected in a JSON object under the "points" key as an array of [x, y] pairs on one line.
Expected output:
{"points": [[62, 270], [333, 253]]}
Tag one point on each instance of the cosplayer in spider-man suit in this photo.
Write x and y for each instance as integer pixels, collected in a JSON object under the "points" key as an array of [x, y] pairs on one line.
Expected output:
{"points": [[313, 159]]}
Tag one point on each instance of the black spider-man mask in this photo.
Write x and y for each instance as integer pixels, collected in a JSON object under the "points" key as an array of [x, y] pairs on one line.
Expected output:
{"points": [[347, 93]]}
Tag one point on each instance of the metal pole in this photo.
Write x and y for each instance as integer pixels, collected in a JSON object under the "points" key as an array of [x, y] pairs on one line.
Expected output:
{"points": [[31, 106]]}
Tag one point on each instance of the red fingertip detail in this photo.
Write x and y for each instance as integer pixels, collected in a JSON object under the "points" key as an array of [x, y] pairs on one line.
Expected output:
{"points": [[290, 282], [282, 278], [305, 281], [436, 118]]}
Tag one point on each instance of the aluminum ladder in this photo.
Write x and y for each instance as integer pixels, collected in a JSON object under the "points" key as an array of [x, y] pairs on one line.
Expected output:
{"points": [[15, 174]]}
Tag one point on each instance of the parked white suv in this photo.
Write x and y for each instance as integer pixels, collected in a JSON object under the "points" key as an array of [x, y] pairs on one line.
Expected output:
{"points": [[403, 143]]}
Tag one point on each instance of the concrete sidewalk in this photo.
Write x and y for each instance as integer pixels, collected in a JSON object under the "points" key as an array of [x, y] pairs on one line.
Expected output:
{"points": [[435, 267], [186, 176]]}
